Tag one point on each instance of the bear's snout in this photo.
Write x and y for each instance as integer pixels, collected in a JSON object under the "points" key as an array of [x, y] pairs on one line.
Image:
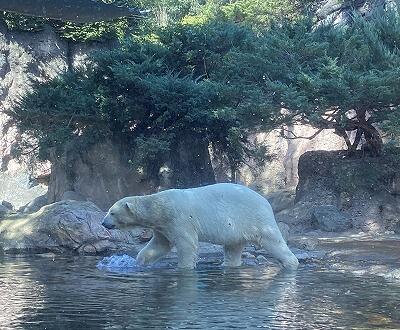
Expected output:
{"points": [[108, 222]]}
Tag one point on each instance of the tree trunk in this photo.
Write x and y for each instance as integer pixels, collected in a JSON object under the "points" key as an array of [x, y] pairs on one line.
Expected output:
{"points": [[373, 140], [190, 163]]}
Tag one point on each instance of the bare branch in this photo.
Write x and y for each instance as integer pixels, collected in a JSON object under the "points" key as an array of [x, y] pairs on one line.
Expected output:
{"points": [[294, 137]]}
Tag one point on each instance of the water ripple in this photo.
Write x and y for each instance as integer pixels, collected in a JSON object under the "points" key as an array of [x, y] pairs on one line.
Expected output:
{"points": [[82, 292]]}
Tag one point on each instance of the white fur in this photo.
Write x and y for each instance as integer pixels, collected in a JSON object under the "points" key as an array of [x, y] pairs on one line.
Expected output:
{"points": [[227, 214]]}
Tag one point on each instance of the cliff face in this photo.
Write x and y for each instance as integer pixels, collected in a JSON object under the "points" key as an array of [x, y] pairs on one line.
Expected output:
{"points": [[356, 192], [282, 171], [25, 56], [103, 173], [340, 11]]}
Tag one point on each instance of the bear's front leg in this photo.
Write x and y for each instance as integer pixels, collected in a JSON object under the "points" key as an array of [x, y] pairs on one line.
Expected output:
{"points": [[186, 248], [158, 247], [233, 255]]}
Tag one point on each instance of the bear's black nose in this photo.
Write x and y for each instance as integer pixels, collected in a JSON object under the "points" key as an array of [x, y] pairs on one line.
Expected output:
{"points": [[108, 223], [108, 226]]}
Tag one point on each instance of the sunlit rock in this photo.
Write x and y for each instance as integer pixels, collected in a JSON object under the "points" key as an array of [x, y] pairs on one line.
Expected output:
{"points": [[67, 226], [329, 218], [35, 205]]}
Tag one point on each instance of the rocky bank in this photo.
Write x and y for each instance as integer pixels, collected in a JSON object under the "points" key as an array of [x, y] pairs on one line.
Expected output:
{"points": [[64, 227], [337, 193]]}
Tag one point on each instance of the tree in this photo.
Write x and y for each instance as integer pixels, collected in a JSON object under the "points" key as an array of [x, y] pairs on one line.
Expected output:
{"points": [[150, 94], [341, 78]]}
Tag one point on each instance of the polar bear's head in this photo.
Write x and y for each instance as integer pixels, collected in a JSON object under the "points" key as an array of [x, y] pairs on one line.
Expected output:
{"points": [[125, 214]]}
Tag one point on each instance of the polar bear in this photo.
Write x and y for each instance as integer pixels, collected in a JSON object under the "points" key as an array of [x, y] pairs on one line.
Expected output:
{"points": [[227, 214]]}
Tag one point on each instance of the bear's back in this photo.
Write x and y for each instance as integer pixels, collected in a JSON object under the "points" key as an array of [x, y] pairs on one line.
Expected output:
{"points": [[222, 212]]}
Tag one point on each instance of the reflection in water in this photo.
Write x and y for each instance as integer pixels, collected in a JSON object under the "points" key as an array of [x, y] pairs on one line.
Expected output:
{"points": [[18, 294], [71, 293]]}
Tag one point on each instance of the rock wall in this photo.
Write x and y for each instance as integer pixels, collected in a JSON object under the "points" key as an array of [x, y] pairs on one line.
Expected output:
{"points": [[25, 56], [102, 173], [281, 172], [340, 11], [357, 192]]}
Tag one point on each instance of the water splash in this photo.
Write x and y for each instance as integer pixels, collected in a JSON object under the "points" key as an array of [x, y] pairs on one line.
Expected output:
{"points": [[125, 263], [119, 263]]}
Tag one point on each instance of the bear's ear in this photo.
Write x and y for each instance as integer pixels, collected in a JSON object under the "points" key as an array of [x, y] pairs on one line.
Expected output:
{"points": [[130, 207], [137, 207]]}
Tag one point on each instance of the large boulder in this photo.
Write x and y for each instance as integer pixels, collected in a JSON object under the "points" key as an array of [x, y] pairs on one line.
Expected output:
{"points": [[280, 172], [329, 218], [35, 205], [281, 200], [67, 226], [360, 188]]}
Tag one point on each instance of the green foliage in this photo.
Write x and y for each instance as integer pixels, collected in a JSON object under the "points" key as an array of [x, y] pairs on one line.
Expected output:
{"points": [[21, 22], [98, 31], [217, 72], [258, 12], [68, 110], [116, 29], [162, 13], [149, 96], [343, 78]]}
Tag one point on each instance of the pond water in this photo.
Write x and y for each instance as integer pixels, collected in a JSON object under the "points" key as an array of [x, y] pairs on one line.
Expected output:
{"points": [[53, 292]]}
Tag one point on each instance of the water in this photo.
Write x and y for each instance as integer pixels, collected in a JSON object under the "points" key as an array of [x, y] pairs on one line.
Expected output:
{"points": [[53, 292]]}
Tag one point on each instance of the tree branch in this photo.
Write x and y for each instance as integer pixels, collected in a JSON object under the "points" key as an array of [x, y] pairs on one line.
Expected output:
{"points": [[294, 137]]}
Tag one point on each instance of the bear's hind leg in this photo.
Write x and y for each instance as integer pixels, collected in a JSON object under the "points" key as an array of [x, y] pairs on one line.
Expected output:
{"points": [[187, 252], [158, 247], [233, 255]]}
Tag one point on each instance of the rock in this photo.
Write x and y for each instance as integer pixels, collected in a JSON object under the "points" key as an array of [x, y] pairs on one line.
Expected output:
{"points": [[308, 243], [329, 218], [298, 217], [73, 196], [248, 255], [341, 12], [281, 200], [103, 173], [261, 259], [66, 226], [307, 256], [35, 205], [361, 187], [3, 211], [7, 205], [284, 228], [280, 173]]}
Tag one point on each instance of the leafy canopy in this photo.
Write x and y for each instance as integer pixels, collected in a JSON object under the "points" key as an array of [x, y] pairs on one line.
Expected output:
{"points": [[342, 78], [149, 95]]}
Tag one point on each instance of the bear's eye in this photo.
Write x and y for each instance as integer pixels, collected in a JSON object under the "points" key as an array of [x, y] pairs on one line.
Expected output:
{"points": [[112, 213]]}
